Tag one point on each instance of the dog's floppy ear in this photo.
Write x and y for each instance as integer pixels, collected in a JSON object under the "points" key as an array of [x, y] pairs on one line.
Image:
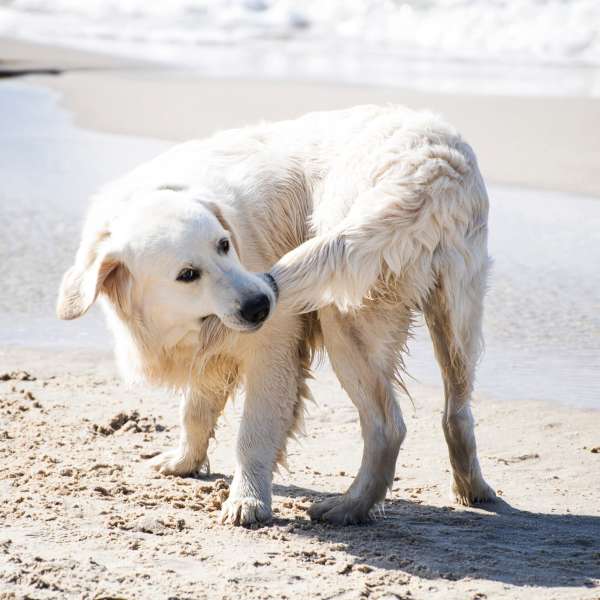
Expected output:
{"points": [[216, 210], [96, 269]]}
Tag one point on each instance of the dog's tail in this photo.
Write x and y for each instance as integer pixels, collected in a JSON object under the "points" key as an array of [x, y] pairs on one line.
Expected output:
{"points": [[432, 217]]}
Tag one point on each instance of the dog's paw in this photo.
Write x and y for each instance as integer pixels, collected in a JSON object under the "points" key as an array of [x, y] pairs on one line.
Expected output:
{"points": [[477, 492], [341, 510], [244, 511], [176, 462]]}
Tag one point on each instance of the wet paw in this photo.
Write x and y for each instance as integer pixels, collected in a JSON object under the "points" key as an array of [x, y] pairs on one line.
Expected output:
{"points": [[341, 510], [175, 462], [244, 511], [476, 493]]}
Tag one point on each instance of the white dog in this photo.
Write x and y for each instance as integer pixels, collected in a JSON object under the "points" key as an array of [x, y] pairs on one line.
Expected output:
{"points": [[363, 217]]}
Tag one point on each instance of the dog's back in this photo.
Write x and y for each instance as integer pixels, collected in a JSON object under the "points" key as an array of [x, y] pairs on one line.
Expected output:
{"points": [[405, 201]]}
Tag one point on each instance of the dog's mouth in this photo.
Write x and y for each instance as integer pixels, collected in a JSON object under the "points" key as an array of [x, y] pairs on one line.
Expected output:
{"points": [[235, 323], [232, 323], [272, 283], [250, 328]]}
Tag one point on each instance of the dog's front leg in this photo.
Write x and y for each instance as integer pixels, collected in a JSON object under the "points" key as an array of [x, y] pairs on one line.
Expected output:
{"points": [[198, 415], [270, 409]]}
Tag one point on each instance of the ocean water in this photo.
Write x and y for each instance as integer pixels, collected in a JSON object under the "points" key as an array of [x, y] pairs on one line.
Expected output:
{"points": [[542, 310], [547, 47], [542, 320], [48, 169]]}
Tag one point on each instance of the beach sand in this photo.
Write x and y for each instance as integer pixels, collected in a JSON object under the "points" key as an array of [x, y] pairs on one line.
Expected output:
{"points": [[84, 516]]}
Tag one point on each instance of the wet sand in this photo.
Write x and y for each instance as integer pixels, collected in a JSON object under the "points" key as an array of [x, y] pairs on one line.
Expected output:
{"points": [[546, 143], [82, 514]]}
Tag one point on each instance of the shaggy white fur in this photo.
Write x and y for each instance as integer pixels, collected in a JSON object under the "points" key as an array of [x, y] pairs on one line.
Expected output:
{"points": [[363, 217]]}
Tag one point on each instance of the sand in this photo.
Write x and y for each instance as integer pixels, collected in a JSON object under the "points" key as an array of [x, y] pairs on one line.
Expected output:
{"points": [[84, 516]]}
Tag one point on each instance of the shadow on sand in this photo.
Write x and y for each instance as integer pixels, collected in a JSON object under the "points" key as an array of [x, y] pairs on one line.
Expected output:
{"points": [[500, 543]]}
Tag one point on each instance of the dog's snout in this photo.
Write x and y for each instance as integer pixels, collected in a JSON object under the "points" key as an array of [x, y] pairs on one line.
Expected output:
{"points": [[256, 309]]}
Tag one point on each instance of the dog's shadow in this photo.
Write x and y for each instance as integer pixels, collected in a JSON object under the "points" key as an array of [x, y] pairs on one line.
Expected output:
{"points": [[500, 543]]}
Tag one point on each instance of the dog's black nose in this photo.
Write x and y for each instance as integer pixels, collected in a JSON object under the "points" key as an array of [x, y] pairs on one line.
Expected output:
{"points": [[256, 309]]}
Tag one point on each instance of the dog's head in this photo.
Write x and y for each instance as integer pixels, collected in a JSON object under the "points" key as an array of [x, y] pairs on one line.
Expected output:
{"points": [[170, 261]]}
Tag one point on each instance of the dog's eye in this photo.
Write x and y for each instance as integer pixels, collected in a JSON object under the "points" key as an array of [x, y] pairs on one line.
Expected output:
{"points": [[188, 275], [224, 246]]}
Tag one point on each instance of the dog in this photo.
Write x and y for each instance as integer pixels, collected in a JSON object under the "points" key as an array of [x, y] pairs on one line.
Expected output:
{"points": [[230, 262]]}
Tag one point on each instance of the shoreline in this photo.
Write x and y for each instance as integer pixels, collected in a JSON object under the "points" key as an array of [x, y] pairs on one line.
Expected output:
{"points": [[533, 142]]}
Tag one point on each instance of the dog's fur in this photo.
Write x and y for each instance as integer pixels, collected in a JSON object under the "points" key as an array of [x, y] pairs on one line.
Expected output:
{"points": [[364, 217]]}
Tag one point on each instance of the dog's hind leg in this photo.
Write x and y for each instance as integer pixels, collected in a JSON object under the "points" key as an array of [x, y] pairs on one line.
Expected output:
{"points": [[363, 350], [453, 312]]}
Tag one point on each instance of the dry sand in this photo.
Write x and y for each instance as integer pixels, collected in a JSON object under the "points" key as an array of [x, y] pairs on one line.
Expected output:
{"points": [[83, 516]]}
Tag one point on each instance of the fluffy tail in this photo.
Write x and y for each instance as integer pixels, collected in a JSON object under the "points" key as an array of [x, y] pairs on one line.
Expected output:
{"points": [[409, 227]]}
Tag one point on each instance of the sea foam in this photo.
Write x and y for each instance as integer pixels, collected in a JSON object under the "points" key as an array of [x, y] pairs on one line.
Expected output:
{"points": [[478, 43]]}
